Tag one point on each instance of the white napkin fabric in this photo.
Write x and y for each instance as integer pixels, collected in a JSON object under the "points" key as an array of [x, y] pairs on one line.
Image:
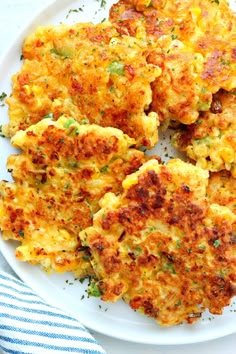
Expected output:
{"points": [[28, 325]]}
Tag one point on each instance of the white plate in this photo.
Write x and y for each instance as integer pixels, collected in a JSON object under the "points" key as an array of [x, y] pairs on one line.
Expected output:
{"points": [[116, 320]]}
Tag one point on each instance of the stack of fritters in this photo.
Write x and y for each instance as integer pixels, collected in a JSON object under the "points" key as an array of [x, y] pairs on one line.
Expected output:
{"points": [[88, 72], [222, 189], [63, 171], [193, 41], [85, 200], [162, 246], [211, 141]]}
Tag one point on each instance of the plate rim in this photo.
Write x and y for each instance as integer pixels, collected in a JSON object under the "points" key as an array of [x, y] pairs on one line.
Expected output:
{"points": [[18, 268]]}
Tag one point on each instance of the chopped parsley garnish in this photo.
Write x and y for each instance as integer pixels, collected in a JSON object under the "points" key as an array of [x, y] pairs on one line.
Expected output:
{"points": [[112, 89], [49, 115], [61, 52], [69, 122], [1, 134], [84, 121], [178, 244], [170, 267], [3, 96], [216, 243], [86, 258], [74, 10], [138, 251], [93, 290], [174, 36], [21, 233], [117, 68], [178, 303], [102, 3], [104, 169]]}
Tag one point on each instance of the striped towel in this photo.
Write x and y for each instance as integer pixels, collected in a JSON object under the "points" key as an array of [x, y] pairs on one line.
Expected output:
{"points": [[29, 325]]}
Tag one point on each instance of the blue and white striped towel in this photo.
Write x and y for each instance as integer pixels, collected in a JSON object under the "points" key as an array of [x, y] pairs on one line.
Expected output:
{"points": [[28, 325]]}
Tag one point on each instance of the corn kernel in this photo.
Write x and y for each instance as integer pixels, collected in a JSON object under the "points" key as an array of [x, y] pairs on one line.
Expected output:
{"points": [[233, 171], [227, 154], [196, 13], [37, 90], [64, 235], [201, 150], [27, 89], [130, 181], [140, 4], [202, 162]]}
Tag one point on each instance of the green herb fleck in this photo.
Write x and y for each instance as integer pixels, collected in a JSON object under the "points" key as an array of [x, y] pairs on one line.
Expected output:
{"points": [[104, 169], [178, 303], [216, 243], [21, 233], [170, 266], [2, 96], [178, 243], [74, 10], [103, 4], [93, 290], [69, 122], [112, 89], [138, 251], [174, 36], [61, 52], [49, 115], [84, 121], [1, 134], [116, 68], [86, 258]]}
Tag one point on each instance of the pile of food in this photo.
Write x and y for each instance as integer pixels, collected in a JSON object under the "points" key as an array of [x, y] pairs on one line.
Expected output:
{"points": [[85, 198]]}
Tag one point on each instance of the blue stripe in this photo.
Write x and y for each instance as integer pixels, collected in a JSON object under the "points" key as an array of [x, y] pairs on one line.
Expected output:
{"points": [[42, 322], [33, 302], [46, 346], [41, 312], [12, 351], [13, 280], [47, 334], [18, 291]]}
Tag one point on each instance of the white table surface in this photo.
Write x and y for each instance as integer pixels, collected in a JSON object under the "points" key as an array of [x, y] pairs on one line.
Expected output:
{"points": [[13, 15]]}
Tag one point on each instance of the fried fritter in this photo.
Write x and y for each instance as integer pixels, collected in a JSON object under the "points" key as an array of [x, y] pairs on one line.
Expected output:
{"points": [[162, 246], [89, 72], [195, 47], [211, 141], [222, 189], [60, 175]]}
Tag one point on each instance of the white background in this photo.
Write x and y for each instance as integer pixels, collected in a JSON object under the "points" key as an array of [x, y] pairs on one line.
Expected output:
{"points": [[13, 16]]}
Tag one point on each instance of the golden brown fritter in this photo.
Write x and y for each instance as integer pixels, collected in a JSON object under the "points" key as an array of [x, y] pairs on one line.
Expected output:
{"points": [[195, 44], [222, 189], [211, 141], [88, 72], [162, 246], [60, 175]]}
